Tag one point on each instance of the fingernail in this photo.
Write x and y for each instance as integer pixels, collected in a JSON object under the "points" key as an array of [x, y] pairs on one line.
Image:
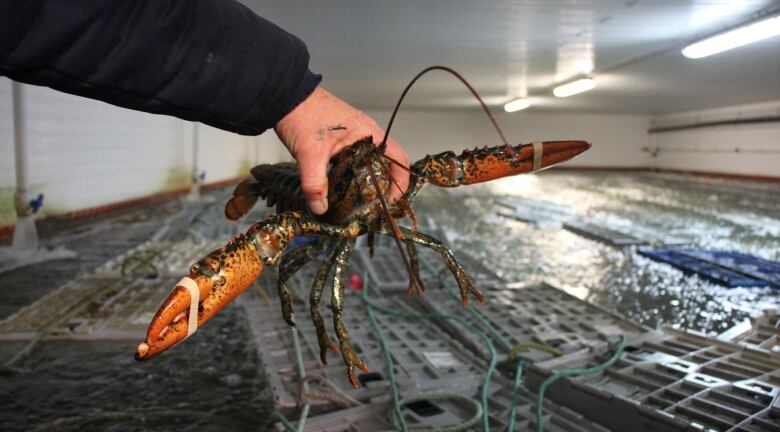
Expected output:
{"points": [[318, 206]]}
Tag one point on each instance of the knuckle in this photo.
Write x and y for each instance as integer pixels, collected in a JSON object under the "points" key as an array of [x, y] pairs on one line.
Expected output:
{"points": [[313, 187]]}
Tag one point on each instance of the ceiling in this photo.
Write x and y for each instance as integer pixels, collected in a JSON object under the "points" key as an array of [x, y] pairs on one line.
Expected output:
{"points": [[368, 50]]}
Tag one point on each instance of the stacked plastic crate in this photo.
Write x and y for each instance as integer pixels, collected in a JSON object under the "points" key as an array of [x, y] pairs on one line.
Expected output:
{"points": [[426, 360], [674, 381], [427, 356]]}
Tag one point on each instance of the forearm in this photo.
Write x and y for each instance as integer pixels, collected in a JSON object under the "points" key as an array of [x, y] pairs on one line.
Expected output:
{"points": [[212, 61]]}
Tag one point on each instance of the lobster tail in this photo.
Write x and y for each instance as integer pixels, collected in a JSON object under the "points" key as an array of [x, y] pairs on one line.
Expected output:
{"points": [[278, 184], [489, 163], [244, 198]]}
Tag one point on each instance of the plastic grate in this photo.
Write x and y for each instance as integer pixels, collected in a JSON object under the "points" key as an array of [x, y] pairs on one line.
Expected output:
{"points": [[689, 380], [425, 358], [537, 314]]}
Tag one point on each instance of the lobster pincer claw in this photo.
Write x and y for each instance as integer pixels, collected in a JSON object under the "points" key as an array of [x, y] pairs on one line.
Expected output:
{"points": [[212, 283], [489, 163]]}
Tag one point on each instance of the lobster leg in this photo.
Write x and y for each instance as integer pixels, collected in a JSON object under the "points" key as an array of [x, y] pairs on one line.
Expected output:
{"points": [[464, 282], [224, 273], [414, 263], [289, 264], [370, 242], [315, 296], [351, 360]]}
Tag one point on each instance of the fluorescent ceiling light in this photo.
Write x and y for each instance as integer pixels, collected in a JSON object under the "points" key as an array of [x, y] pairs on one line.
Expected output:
{"points": [[517, 105], [735, 38], [574, 87]]}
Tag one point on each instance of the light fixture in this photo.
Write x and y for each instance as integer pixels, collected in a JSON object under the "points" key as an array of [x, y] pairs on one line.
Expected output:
{"points": [[574, 87], [517, 105], [734, 38]]}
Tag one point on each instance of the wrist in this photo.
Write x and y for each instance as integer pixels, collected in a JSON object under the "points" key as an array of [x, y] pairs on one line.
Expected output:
{"points": [[298, 115]]}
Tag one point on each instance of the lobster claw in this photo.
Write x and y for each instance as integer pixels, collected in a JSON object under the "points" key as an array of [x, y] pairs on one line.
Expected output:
{"points": [[172, 324], [489, 163], [213, 283]]}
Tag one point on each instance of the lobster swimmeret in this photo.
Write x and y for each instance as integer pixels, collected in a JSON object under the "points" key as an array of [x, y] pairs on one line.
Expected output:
{"points": [[354, 209], [359, 185]]}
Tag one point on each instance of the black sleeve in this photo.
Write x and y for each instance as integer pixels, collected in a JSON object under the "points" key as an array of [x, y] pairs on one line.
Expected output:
{"points": [[212, 61]]}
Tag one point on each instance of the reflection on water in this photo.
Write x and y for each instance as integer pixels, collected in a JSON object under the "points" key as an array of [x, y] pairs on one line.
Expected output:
{"points": [[713, 213]]}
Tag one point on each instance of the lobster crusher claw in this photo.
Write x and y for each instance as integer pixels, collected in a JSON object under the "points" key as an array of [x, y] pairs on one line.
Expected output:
{"points": [[199, 296]]}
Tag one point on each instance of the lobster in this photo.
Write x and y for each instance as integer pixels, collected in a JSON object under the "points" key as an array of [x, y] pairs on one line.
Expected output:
{"points": [[359, 186]]}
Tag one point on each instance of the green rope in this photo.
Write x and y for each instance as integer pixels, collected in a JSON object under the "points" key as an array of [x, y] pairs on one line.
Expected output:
{"points": [[263, 295], [301, 374], [574, 372], [467, 326], [515, 396], [388, 360], [466, 424], [486, 324], [287, 425], [513, 354], [305, 388], [522, 346], [473, 311]]}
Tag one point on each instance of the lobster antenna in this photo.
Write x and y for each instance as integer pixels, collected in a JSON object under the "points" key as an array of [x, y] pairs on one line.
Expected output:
{"points": [[458, 76], [397, 186], [396, 232], [400, 165]]}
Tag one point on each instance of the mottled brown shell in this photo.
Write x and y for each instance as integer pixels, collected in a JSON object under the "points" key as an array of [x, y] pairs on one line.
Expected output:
{"points": [[278, 184], [350, 193]]}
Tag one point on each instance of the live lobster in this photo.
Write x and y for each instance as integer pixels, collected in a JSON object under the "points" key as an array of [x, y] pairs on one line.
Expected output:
{"points": [[359, 186]]}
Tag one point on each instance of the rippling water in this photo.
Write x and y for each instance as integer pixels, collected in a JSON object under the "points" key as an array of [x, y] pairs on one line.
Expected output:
{"points": [[712, 213], [211, 383]]}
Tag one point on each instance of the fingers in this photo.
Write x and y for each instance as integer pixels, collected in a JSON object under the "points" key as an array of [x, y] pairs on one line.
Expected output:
{"points": [[317, 128], [400, 175], [313, 164]]}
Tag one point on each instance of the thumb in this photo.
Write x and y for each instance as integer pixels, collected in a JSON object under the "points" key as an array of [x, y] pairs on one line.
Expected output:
{"points": [[314, 179]]}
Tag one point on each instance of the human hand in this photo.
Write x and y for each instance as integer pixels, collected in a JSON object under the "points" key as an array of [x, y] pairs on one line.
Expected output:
{"points": [[317, 129]]}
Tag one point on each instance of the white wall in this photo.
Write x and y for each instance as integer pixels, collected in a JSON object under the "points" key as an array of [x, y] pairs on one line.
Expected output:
{"points": [[617, 139], [84, 153], [744, 150]]}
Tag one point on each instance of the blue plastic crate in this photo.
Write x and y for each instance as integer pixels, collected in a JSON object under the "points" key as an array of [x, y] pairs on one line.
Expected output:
{"points": [[690, 261], [750, 265]]}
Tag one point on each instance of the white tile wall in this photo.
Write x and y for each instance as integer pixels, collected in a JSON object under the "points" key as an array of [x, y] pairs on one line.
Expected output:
{"points": [[715, 149]]}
